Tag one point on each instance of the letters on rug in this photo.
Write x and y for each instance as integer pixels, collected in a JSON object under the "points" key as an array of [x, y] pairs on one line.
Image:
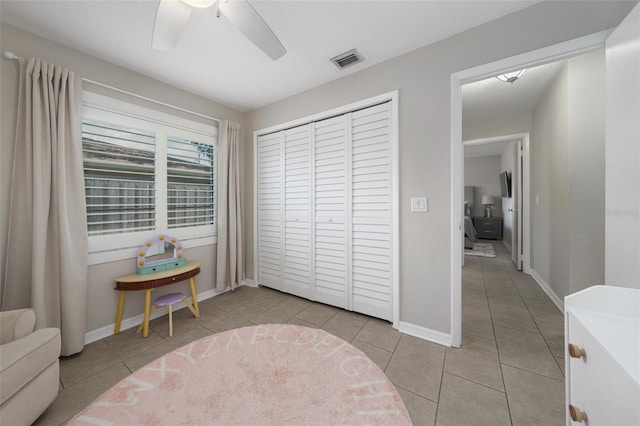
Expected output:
{"points": [[265, 374]]}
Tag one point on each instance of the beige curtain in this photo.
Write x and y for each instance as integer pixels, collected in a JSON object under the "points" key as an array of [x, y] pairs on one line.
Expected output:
{"points": [[230, 264], [46, 265]]}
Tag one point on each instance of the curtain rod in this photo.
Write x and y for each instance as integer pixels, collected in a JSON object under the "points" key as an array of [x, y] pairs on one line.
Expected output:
{"points": [[11, 55]]}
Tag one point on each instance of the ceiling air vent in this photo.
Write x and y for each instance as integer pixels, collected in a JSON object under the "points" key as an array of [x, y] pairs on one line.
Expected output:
{"points": [[347, 59]]}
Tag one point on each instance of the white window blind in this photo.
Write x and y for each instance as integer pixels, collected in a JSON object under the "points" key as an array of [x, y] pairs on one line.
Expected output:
{"points": [[119, 171], [191, 182]]}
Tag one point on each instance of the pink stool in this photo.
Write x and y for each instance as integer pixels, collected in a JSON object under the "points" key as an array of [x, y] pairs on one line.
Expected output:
{"points": [[169, 300]]}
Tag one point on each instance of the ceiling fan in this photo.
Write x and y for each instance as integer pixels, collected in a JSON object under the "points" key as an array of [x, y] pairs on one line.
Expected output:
{"points": [[172, 17]]}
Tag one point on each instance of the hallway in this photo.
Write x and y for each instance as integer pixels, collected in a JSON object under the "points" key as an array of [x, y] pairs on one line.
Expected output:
{"points": [[512, 344]]}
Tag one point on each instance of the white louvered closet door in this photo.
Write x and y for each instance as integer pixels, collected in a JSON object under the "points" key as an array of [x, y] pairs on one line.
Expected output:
{"points": [[297, 211], [270, 209], [371, 258], [331, 177]]}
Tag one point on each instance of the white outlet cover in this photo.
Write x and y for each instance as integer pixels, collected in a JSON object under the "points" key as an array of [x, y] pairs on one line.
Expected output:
{"points": [[419, 204]]}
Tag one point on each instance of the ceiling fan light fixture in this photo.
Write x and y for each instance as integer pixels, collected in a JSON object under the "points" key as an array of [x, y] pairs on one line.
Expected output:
{"points": [[511, 77], [172, 17], [202, 4]]}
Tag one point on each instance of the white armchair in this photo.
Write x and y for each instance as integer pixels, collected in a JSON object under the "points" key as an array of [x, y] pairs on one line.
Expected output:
{"points": [[29, 367]]}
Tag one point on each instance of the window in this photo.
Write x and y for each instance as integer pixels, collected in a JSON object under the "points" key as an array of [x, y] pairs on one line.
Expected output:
{"points": [[146, 173], [119, 178], [190, 177]]}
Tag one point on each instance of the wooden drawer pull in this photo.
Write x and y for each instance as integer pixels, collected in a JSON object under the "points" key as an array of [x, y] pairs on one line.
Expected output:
{"points": [[577, 415], [576, 351]]}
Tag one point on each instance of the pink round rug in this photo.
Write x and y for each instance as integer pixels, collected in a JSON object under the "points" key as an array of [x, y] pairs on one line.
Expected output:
{"points": [[262, 375]]}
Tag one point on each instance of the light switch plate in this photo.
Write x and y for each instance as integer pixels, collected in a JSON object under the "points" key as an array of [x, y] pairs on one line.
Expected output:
{"points": [[419, 204]]}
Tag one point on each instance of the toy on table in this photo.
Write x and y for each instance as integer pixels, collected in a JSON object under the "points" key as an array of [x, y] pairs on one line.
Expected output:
{"points": [[145, 265]]}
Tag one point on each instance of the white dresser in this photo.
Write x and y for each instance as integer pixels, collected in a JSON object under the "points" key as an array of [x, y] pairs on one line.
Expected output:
{"points": [[602, 356]]}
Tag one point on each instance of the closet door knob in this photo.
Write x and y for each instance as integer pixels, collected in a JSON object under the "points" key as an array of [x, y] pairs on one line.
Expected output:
{"points": [[577, 415], [576, 351]]}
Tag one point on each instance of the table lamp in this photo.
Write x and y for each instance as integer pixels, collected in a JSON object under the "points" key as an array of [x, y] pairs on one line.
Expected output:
{"points": [[487, 202]]}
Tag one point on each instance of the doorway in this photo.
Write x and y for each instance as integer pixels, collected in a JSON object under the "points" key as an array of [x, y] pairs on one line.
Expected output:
{"points": [[530, 59], [514, 208]]}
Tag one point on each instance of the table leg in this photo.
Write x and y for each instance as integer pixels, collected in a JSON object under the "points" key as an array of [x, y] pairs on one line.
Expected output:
{"points": [[119, 314], [147, 302], [192, 284]]}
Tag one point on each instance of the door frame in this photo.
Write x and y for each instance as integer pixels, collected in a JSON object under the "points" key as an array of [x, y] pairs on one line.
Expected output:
{"points": [[556, 52], [524, 211]]}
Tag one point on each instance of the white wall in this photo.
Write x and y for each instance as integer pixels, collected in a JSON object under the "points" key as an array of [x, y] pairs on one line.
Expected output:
{"points": [[483, 173], [623, 154], [102, 299], [567, 155], [508, 161], [423, 78]]}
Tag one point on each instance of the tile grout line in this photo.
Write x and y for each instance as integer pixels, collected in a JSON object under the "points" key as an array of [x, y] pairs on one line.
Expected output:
{"points": [[532, 372], [540, 331], [506, 395], [413, 393], [444, 360]]}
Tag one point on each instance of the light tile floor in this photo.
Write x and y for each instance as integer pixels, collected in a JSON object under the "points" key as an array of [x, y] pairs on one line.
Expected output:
{"points": [[508, 371]]}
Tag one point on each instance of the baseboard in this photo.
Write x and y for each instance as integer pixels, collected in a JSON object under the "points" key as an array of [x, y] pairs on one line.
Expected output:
{"points": [[135, 321], [547, 289], [507, 245], [425, 333], [249, 283]]}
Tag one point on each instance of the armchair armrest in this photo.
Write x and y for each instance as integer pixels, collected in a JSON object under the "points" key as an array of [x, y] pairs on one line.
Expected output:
{"points": [[16, 324], [24, 359]]}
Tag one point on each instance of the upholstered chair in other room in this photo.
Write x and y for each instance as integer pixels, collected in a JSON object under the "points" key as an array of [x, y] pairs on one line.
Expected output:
{"points": [[29, 367]]}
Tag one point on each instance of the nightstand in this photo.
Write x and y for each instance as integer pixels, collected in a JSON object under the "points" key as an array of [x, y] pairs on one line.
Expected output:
{"points": [[488, 227]]}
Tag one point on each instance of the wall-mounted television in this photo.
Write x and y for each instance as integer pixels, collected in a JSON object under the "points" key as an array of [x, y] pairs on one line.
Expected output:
{"points": [[505, 184]]}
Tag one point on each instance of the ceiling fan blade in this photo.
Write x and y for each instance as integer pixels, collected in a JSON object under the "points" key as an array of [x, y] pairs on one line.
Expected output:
{"points": [[171, 19], [251, 24]]}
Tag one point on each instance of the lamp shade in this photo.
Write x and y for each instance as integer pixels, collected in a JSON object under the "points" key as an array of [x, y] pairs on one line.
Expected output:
{"points": [[487, 200]]}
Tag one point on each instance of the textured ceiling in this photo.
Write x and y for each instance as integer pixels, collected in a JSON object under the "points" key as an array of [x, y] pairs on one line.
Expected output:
{"points": [[214, 60]]}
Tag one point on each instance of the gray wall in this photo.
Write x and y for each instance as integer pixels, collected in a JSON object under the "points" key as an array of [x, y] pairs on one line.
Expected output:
{"points": [[483, 173], [622, 174], [495, 126], [423, 78], [102, 300], [567, 154], [550, 186], [587, 169]]}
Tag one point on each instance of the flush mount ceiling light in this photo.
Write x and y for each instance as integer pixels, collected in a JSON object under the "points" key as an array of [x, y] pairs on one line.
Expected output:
{"points": [[511, 77]]}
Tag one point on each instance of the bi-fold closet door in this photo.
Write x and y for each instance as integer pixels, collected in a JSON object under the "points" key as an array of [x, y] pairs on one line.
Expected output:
{"points": [[324, 193]]}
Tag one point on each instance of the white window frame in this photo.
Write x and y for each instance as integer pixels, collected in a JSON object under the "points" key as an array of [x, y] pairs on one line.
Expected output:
{"points": [[112, 247]]}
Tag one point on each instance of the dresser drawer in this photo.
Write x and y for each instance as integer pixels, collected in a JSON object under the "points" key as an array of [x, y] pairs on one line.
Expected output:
{"points": [[598, 384], [488, 223], [488, 227]]}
